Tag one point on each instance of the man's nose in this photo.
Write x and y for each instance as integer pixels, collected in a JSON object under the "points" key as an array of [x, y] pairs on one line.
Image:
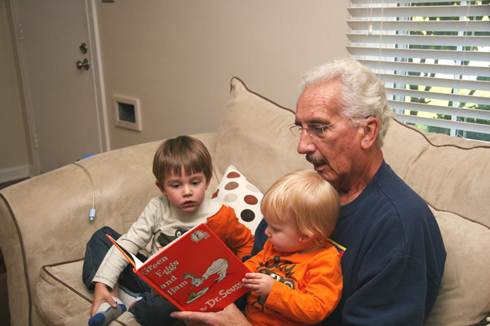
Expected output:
{"points": [[305, 145]]}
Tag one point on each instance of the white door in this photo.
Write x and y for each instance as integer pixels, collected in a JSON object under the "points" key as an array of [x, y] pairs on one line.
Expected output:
{"points": [[66, 120]]}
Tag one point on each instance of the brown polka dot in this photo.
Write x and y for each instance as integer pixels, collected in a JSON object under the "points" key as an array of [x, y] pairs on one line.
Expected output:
{"points": [[215, 194], [231, 185], [251, 200], [233, 174], [247, 215]]}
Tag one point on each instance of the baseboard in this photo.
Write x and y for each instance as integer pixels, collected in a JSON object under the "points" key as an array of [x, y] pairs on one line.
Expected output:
{"points": [[15, 173]]}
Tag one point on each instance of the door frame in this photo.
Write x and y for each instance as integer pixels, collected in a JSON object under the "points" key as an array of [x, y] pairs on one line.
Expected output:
{"points": [[96, 74]]}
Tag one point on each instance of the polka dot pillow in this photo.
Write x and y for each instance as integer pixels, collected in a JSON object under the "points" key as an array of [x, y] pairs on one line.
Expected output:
{"points": [[237, 192]]}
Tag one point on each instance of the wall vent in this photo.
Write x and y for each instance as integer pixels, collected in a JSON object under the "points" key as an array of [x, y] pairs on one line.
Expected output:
{"points": [[128, 112]]}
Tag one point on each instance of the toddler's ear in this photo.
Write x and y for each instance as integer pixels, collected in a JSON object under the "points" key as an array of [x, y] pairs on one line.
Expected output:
{"points": [[305, 237]]}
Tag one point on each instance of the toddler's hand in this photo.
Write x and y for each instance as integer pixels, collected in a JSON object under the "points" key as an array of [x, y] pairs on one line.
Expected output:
{"points": [[259, 283]]}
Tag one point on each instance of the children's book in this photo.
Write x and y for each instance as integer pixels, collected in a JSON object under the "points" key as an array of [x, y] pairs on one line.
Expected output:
{"points": [[195, 272]]}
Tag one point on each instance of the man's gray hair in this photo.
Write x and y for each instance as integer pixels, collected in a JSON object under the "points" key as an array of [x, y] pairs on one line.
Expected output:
{"points": [[363, 93]]}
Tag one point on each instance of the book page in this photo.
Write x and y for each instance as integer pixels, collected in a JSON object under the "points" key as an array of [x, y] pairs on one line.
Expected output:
{"points": [[132, 259]]}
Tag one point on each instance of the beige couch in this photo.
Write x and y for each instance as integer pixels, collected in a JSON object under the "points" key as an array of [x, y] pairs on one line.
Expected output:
{"points": [[44, 223]]}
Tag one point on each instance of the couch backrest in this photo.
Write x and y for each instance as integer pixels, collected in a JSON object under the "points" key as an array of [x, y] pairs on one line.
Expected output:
{"points": [[449, 173], [254, 136], [452, 175]]}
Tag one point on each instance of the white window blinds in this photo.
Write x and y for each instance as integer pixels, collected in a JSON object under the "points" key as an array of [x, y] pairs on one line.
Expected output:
{"points": [[434, 58]]}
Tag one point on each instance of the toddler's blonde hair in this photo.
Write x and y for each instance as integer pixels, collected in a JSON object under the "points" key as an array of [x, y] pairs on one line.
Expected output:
{"points": [[307, 198]]}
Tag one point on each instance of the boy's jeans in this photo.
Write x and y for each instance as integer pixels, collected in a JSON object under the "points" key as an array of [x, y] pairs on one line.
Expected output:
{"points": [[152, 309]]}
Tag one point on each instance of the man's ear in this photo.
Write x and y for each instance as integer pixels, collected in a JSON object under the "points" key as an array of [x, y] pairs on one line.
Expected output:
{"points": [[370, 129]]}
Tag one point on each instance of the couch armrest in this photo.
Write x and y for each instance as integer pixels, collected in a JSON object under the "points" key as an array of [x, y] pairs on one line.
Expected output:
{"points": [[45, 219], [12, 249]]}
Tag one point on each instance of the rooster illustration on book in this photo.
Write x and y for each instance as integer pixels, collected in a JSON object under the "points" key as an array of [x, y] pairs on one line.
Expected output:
{"points": [[218, 267]]}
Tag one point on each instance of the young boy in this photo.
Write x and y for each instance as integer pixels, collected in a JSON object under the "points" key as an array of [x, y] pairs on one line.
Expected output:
{"points": [[182, 168], [297, 279]]}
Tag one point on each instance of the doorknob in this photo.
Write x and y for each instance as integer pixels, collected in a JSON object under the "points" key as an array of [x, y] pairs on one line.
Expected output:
{"points": [[83, 64]]}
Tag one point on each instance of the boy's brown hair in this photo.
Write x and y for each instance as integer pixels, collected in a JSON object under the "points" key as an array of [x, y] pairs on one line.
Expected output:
{"points": [[307, 198], [182, 153]]}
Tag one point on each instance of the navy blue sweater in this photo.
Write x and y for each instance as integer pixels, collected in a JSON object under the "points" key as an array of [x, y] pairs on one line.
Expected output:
{"points": [[395, 256]]}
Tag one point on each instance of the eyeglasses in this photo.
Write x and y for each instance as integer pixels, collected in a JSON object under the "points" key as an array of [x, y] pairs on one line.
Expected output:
{"points": [[317, 130]]}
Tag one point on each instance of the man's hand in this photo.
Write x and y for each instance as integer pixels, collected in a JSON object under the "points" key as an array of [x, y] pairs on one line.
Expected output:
{"points": [[101, 294], [259, 283], [231, 315]]}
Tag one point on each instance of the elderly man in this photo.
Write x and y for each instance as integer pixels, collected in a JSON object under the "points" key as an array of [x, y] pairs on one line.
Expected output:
{"points": [[393, 265]]}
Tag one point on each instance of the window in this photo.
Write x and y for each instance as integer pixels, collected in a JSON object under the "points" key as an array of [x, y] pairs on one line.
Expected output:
{"points": [[434, 58]]}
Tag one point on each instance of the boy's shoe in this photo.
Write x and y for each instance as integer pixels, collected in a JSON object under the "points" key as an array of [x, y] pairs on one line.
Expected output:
{"points": [[106, 313]]}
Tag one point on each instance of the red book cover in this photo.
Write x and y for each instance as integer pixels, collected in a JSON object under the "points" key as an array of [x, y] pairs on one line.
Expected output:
{"points": [[196, 272]]}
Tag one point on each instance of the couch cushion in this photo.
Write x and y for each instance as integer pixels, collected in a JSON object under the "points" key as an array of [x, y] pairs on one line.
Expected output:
{"points": [[267, 149], [464, 298], [62, 299], [450, 174]]}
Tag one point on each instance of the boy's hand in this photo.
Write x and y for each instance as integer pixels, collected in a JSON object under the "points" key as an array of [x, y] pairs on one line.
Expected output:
{"points": [[259, 283], [101, 294]]}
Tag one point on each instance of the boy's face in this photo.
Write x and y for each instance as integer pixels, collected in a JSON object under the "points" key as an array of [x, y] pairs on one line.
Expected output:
{"points": [[285, 236], [186, 191]]}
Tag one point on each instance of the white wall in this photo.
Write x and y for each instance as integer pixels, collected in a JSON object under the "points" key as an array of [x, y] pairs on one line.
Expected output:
{"points": [[14, 152], [178, 56]]}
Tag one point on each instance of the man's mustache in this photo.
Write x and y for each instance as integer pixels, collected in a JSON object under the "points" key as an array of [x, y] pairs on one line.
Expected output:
{"points": [[315, 160]]}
